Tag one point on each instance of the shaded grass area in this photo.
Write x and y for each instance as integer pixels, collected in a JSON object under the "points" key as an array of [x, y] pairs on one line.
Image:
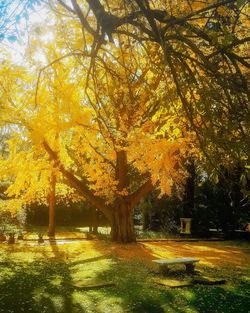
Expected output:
{"points": [[40, 280]]}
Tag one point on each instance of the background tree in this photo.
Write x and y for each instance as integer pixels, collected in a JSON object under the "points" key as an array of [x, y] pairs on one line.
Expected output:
{"points": [[189, 189], [205, 48]]}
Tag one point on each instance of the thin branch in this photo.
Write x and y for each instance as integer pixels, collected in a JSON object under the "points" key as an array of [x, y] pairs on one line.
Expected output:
{"points": [[71, 54], [68, 8], [84, 22]]}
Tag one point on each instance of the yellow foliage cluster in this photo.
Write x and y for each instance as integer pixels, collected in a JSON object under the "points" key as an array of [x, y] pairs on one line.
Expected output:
{"points": [[85, 115], [12, 206]]}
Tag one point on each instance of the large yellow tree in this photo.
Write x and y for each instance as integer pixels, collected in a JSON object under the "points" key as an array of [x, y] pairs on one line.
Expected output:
{"points": [[105, 129], [105, 114]]}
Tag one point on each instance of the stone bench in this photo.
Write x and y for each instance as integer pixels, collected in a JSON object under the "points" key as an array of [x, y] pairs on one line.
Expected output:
{"points": [[165, 263]]}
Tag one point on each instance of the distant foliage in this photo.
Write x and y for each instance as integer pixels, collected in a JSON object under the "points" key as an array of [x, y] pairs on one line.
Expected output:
{"points": [[216, 208], [71, 214], [162, 214]]}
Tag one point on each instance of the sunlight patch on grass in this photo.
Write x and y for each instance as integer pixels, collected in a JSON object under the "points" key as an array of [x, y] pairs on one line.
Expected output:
{"points": [[159, 251], [38, 293], [56, 280], [84, 301], [111, 304], [90, 269], [189, 295], [6, 273], [41, 280], [204, 248]]}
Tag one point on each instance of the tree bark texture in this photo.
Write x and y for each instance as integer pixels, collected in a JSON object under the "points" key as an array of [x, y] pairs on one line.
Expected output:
{"points": [[122, 226]]}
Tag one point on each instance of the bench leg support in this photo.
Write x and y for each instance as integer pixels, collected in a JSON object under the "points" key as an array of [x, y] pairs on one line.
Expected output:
{"points": [[190, 268], [164, 269]]}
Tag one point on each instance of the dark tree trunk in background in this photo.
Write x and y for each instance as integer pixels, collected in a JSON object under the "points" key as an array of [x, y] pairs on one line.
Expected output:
{"points": [[93, 228], [231, 186], [95, 222], [146, 220], [189, 193]]}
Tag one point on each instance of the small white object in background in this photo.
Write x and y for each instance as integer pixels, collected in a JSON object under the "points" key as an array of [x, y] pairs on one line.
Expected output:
{"points": [[186, 225]]}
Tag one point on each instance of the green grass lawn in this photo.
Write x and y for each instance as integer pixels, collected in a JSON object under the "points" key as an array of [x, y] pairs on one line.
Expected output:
{"points": [[39, 279], [103, 231]]}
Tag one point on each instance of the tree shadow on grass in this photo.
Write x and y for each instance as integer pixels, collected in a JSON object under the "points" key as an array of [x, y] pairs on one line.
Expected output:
{"points": [[36, 286], [93, 259], [39, 286], [221, 300], [136, 288], [30, 288]]}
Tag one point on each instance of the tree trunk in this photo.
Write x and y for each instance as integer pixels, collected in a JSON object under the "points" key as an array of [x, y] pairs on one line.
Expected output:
{"points": [[52, 202], [189, 193], [93, 228], [90, 229], [95, 222], [122, 227], [121, 219], [145, 220]]}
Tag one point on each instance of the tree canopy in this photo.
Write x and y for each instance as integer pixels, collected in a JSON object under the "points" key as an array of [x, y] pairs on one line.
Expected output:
{"points": [[113, 96], [91, 129], [205, 48]]}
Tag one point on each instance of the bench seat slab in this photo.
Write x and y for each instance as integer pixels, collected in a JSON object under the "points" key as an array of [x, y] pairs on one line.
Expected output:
{"points": [[176, 261], [188, 262]]}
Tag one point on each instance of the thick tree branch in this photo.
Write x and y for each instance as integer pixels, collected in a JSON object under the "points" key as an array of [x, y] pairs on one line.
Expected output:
{"points": [[76, 183], [83, 20], [141, 192], [121, 169], [150, 17], [175, 21]]}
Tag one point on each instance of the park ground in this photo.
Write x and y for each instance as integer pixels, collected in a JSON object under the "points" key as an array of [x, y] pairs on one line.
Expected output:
{"points": [[49, 278]]}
